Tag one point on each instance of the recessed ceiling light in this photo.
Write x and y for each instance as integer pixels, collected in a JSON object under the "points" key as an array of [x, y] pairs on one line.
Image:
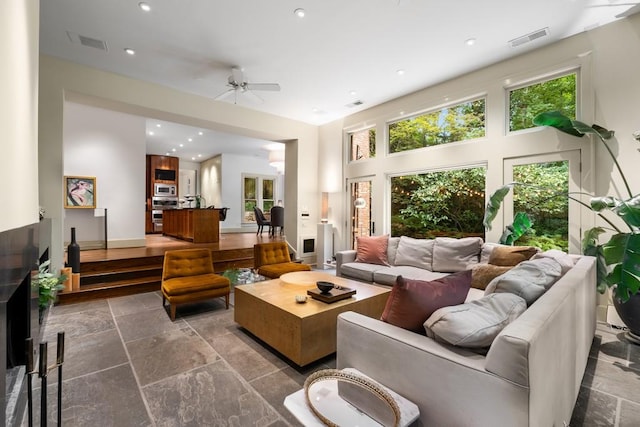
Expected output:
{"points": [[173, 149], [189, 139], [144, 6], [158, 125], [315, 110], [150, 132], [181, 145], [353, 93], [470, 42], [130, 51], [199, 155], [400, 72], [200, 133], [193, 158], [167, 153], [299, 12]]}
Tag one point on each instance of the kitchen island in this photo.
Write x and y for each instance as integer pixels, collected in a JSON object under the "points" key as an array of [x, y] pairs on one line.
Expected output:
{"points": [[193, 225]]}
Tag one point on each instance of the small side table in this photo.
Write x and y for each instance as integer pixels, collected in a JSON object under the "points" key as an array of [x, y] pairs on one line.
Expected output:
{"points": [[342, 412]]}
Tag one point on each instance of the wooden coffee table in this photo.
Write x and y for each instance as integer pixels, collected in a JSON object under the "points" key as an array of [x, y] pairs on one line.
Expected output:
{"points": [[303, 332]]}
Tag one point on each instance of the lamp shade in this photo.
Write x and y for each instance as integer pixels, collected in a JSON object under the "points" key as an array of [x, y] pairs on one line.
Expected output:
{"points": [[324, 213]]}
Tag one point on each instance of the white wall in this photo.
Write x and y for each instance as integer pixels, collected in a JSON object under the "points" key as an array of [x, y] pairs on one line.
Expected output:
{"points": [[19, 21], [62, 80], [110, 146], [189, 181]]}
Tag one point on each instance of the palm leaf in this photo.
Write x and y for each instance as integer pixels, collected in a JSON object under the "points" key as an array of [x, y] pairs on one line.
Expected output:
{"points": [[557, 120], [623, 250], [493, 205], [521, 224], [629, 211]]}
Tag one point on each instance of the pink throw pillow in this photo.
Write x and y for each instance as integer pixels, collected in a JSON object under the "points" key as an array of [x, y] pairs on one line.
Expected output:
{"points": [[412, 302], [372, 249]]}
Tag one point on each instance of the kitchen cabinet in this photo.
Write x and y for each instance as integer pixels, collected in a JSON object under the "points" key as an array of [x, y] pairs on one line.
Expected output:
{"points": [[193, 225]]}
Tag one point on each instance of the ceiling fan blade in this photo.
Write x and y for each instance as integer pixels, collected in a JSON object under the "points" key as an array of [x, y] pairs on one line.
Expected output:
{"points": [[263, 86], [236, 73], [224, 94], [252, 96]]}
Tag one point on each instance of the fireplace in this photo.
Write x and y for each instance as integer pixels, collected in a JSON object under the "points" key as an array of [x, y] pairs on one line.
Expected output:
{"points": [[20, 252]]}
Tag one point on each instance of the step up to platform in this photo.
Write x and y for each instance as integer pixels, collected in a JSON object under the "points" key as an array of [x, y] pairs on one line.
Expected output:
{"points": [[127, 276]]}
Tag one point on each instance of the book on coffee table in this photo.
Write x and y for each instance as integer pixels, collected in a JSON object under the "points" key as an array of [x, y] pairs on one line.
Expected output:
{"points": [[336, 294]]}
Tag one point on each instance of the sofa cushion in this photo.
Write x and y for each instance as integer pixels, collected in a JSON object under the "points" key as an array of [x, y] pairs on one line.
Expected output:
{"points": [[414, 252], [360, 270], [565, 260], [372, 249], [529, 279], [477, 323], [412, 301], [483, 274], [451, 255], [511, 255], [388, 275], [392, 249]]}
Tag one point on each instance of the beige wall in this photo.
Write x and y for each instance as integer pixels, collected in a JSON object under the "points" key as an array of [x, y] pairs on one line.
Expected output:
{"points": [[19, 22], [60, 80], [608, 59]]}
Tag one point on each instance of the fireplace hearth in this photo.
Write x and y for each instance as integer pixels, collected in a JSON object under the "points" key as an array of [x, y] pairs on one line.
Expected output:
{"points": [[20, 252]]}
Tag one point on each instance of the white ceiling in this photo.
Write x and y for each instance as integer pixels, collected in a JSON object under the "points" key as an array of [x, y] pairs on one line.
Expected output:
{"points": [[339, 48]]}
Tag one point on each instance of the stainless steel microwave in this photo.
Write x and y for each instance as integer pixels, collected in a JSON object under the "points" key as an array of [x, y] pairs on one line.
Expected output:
{"points": [[164, 190]]}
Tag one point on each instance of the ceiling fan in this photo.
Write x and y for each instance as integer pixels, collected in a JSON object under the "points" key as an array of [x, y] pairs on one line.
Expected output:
{"points": [[238, 84]]}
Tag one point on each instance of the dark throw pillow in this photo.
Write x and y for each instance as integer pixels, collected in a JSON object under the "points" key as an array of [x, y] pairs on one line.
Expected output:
{"points": [[372, 249], [412, 301]]}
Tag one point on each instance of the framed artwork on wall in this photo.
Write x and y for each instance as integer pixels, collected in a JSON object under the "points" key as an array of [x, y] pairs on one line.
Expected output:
{"points": [[80, 192]]}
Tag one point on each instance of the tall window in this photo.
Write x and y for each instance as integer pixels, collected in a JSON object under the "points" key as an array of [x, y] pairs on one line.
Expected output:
{"points": [[362, 144], [442, 203], [527, 102], [549, 214], [258, 191], [456, 123]]}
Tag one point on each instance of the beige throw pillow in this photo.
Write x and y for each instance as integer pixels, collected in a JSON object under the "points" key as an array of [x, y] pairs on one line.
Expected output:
{"points": [[451, 255], [414, 252]]}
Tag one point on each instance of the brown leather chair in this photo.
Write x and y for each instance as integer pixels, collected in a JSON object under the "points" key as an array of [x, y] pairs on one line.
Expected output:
{"points": [[272, 260], [187, 276]]}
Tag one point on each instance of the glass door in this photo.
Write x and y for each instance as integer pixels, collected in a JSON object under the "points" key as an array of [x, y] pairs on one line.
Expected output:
{"points": [[360, 207], [547, 179]]}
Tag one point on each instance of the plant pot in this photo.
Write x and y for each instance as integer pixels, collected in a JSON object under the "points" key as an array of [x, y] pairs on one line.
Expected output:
{"points": [[629, 313]]}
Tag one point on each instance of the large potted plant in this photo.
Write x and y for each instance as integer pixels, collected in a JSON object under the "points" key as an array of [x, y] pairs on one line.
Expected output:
{"points": [[618, 259]]}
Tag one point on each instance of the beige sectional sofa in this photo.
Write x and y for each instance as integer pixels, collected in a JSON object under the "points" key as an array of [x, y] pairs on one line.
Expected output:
{"points": [[530, 375], [421, 259]]}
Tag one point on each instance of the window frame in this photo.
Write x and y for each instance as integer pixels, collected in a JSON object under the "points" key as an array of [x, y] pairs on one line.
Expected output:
{"points": [[259, 193], [433, 109], [541, 78], [348, 138]]}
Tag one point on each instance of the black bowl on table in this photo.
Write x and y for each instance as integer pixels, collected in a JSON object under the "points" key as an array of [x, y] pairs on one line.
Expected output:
{"points": [[325, 287]]}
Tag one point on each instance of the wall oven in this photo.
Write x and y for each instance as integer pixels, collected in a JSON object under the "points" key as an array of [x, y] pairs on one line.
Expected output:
{"points": [[158, 202], [156, 219], [165, 190]]}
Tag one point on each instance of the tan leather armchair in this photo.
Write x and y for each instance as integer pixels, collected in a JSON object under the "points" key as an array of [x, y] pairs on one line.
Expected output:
{"points": [[187, 276], [272, 260]]}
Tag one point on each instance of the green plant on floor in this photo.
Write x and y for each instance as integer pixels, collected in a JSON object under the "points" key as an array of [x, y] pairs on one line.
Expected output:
{"points": [[48, 285], [618, 259], [232, 274]]}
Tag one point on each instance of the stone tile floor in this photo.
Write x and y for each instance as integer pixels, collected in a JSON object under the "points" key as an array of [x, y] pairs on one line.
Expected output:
{"points": [[127, 364]]}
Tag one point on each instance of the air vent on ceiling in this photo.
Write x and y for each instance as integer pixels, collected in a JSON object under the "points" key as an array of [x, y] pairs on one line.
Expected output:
{"points": [[529, 37], [87, 41], [354, 104]]}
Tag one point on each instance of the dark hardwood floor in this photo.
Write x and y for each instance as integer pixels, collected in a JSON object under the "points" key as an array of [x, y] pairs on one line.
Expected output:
{"points": [[107, 273]]}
